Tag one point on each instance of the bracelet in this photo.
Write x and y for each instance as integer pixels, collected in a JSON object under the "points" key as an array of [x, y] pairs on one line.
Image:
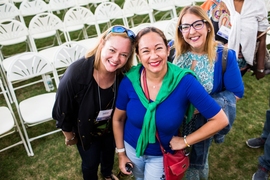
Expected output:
{"points": [[185, 140], [68, 140], [120, 150]]}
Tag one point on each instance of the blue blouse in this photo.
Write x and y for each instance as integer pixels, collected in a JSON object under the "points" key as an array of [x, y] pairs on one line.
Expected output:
{"points": [[169, 113]]}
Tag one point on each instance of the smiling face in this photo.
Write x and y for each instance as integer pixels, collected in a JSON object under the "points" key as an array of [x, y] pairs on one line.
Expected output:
{"points": [[195, 38], [115, 53], [153, 52]]}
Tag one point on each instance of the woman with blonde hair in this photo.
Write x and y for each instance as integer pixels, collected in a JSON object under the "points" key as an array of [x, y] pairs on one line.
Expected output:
{"points": [[196, 49], [86, 96]]}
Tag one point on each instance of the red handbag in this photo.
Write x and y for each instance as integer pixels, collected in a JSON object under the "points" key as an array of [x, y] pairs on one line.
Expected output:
{"points": [[175, 165]]}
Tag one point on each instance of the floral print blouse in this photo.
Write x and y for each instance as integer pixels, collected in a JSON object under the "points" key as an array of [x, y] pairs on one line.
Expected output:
{"points": [[203, 69]]}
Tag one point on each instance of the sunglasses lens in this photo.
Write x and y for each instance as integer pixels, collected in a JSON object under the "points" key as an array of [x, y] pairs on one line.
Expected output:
{"points": [[131, 34], [120, 29]]}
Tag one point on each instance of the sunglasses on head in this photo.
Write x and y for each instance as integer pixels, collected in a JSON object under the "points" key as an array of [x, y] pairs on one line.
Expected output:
{"points": [[121, 29]]}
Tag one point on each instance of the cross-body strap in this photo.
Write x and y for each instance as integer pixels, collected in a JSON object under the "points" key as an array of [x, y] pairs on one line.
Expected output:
{"points": [[146, 92], [263, 33], [224, 60]]}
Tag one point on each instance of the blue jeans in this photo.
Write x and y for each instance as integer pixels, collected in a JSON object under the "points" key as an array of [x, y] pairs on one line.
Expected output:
{"points": [[102, 152], [200, 151], [264, 160], [145, 167]]}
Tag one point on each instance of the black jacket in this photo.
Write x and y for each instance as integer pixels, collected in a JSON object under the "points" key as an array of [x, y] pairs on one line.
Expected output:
{"points": [[74, 108]]}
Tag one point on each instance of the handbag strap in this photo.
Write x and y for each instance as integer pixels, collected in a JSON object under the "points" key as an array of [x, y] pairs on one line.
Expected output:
{"points": [[146, 92], [263, 33]]}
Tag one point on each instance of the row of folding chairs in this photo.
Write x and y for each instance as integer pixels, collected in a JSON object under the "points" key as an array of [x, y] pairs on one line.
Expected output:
{"points": [[33, 109], [26, 65], [24, 68]]}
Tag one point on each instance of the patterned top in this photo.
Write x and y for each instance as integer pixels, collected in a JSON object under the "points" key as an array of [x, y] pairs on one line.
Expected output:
{"points": [[203, 69]]}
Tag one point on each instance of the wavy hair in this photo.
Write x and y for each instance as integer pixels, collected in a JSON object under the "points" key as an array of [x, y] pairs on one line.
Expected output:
{"points": [[181, 46], [96, 50]]}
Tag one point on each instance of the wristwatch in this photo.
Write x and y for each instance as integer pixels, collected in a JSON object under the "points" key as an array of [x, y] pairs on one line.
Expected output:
{"points": [[260, 70], [120, 150]]}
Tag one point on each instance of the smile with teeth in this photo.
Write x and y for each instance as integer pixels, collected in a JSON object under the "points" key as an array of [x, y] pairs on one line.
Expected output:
{"points": [[112, 63], [195, 38], [154, 63]]}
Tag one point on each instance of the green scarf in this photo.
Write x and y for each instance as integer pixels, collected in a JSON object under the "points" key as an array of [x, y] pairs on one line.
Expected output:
{"points": [[171, 80]]}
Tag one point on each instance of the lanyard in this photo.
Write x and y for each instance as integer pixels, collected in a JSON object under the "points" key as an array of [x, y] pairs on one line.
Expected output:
{"points": [[114, 90]]}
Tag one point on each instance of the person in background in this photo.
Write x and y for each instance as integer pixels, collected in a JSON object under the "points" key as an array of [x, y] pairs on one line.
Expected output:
{"points": [[86, 98], [220, 18], [263, 141], [246, 21], [196, 49], [154, 97]]}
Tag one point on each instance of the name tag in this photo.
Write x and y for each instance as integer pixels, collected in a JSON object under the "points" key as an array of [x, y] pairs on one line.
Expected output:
{"points": [[224, 32], [104, 115]]}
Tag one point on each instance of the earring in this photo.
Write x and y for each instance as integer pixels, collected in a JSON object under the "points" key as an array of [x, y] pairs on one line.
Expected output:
{"points": [[209, 30]]}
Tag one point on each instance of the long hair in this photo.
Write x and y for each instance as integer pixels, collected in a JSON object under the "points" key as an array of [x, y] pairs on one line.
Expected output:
{"points": [[96, 50], [181, 46]]}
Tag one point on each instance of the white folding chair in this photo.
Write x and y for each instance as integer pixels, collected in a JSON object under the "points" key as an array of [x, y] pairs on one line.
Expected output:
{"points": [[13, 32], [139, 8], [9, 11], [44, 26], [168, 27], [61, 5], [66, 54], [183, 3], [33, 110], [80, 19], [9, 124], [33, 7], [165, 6], [136, 29], [108, 12]]}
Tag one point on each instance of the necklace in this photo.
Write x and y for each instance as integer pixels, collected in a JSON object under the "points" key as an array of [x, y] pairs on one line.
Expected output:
{"points": [[114, 90]]}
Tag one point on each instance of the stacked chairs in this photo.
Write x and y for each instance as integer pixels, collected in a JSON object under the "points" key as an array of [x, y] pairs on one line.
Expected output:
{"points": [[9, 124], [33, 110]]}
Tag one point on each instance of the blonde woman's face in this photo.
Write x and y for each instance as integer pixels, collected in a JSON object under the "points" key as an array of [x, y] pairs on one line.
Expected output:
{"points": [[195, 38], [115, 53]]}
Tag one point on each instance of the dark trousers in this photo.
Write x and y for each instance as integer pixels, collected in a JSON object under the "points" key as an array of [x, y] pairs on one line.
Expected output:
{"points": [[101, 152]]}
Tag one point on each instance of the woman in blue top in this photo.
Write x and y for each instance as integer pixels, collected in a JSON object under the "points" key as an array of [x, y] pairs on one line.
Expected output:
{"points": [[196, 49], [171, 90]]}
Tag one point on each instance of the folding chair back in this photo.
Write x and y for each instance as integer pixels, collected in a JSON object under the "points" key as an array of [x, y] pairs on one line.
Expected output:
{"points": [[33, 109]]}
